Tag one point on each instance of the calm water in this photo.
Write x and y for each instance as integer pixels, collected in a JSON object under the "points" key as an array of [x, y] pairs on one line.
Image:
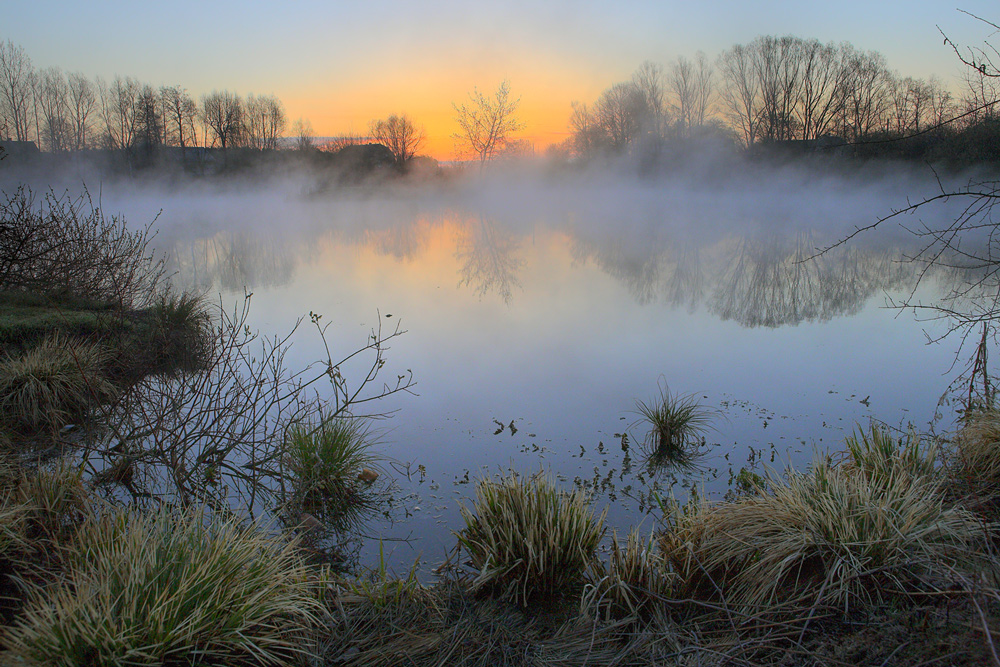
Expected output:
{"points": [[552, 308]]}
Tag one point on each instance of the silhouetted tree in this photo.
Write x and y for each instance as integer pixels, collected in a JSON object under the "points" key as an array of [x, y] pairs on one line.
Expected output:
{"points": [[399, 135], [223, 114], [16, 82]]}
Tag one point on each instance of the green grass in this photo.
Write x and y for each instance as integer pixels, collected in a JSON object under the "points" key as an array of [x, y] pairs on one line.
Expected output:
{"points": [[527, 538], [171, 588], [325, 461], [54, 383], [879, 455], [27, 317], [677, 422]]}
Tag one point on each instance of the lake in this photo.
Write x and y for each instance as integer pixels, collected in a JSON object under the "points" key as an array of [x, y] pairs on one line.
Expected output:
{"points": [[538, 311]]}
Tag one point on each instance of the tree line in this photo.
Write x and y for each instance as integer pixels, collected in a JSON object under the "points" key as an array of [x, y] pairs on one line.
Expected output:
{"points": [[62, 111], [774, 89]]}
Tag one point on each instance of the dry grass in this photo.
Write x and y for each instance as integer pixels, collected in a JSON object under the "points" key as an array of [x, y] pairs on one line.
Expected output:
{"points": [[171, 589], [978, 449], [57, 382], [527, 538], [635, 579], [832, 537]]}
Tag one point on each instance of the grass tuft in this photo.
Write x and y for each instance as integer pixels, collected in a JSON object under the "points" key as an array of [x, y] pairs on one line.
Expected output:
{"points": [[835, 536], [180, 334], [55, 383], [632, 582], [170, 589], [325, 462], [978, 449], [527, 538], [677, 423]]}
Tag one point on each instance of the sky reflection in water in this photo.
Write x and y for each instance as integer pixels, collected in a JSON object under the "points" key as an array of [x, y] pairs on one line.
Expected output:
{"points": [[557, 324]]}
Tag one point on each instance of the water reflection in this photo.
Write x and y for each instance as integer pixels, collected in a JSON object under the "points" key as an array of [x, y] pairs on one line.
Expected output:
{"points": [[234, 260], [489, 261], [772, 280]]}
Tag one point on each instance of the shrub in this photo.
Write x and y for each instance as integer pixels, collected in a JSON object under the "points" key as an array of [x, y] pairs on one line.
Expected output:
{"points": [[528, 538], [170, 589], [677, 422], [55, 383]]}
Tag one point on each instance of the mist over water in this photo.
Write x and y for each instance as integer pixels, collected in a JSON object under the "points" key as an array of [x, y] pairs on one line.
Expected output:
{"points": [[551, 302]]}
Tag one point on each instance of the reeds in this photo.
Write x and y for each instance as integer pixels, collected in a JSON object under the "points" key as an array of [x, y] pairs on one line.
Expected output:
{"points": [[171, 588], [677, 422], [527, 538], [55, 383]]}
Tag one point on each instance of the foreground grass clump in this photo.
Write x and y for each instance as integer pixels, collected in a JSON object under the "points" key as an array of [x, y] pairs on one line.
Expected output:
{"points": [[527, 538], [677, 422], [54, 383], [170, 588], [847, 536], [634, 580], [329, 464], [978, 449]]}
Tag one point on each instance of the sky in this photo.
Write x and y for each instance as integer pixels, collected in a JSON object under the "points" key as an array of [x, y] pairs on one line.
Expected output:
{"points": [[343, 64]]}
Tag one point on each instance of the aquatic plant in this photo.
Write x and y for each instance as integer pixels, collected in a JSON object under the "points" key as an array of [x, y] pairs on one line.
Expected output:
{"points": [[171, 588], [527, 538], [328, 464], [833, 536], [54, 383], [677, 423]]}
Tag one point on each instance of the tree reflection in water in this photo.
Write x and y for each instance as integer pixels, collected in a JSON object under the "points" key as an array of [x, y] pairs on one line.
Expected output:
{"points": [[489, 260]]}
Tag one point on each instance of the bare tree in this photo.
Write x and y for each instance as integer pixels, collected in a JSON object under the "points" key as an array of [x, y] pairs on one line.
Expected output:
{"points": [[82, 101], [620, 111], [179, 114], [53, 105], [263, 121], [16, 82], [120, 112], [741, 94], [304, 136], [648, 81], [223, 113], [822, 98], [399, 135], [487, 122]]}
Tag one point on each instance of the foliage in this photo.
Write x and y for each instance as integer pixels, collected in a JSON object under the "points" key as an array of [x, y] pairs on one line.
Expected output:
{"points": [[527, 538], [171, 589], [55, 383]]}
